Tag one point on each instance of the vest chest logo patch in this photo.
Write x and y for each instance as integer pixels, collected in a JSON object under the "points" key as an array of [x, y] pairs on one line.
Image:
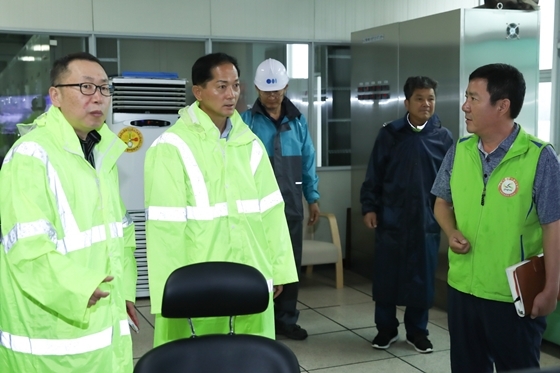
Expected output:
{"points": [[508, 187]]}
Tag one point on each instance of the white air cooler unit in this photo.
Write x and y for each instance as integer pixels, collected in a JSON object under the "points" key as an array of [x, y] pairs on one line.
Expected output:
{"points": [[142, 109]]}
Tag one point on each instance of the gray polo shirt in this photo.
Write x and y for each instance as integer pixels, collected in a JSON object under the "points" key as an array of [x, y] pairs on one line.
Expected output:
{"points": [[546, 188]]}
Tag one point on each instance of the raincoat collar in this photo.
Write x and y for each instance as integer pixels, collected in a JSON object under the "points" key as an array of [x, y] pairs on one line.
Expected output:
{"points": [[199, 122], [401, 123], [106, 151]]}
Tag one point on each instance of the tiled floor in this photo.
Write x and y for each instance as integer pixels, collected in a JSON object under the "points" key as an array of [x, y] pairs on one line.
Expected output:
{"points": [[340, 326]]}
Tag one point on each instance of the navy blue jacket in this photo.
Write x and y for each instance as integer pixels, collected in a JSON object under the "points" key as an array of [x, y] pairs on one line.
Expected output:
{"points": [[400, 174], [291, 153]]}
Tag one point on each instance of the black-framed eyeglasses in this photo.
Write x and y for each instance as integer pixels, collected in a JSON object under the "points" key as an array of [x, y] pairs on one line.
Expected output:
{"points": [[88, 89]]}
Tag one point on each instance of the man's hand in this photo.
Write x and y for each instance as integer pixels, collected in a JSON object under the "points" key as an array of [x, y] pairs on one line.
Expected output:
{"points": [[458, 243], [277, 289], [131, 311], [544, 304], [98, 294], [370, 220], [313, 213]]}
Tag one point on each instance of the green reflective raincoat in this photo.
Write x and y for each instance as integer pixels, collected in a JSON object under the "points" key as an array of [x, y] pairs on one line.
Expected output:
{"points": [[212, 199], [64, 229]]}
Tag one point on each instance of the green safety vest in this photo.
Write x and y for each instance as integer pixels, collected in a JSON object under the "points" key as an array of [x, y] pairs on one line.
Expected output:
{"points": [[502, 227], [64, 229], [212, 199]]}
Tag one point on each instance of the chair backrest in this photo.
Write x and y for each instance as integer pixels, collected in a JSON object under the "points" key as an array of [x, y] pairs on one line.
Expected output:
{"points": [[214, 289], [217, 289]]}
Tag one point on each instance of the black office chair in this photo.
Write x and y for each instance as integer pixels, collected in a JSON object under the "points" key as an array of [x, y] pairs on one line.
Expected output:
{"points": [[209, 290]]}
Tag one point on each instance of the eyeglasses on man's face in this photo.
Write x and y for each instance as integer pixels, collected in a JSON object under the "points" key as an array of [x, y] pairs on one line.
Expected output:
{"points": [[88, 89]]}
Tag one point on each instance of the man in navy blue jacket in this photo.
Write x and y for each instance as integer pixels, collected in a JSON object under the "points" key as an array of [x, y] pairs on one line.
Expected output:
{"points": [[283, 130], [397, 203]]}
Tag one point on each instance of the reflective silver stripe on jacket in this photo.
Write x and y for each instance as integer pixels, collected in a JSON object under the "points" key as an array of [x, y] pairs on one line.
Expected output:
{"points": [[207, 213], [195, 174], [60, 347], [116, 230], [176, 214], [203, 210], [182, 214], [125, 329], [68, 244], [33, 149], [270, 201], [73, 239], [25, 230], [82, 240], [248, 206], [256, 156]]}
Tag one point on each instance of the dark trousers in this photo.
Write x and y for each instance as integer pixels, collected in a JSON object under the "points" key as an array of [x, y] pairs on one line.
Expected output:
{"points": [[485, 332], [285, 311], [415, 319]]}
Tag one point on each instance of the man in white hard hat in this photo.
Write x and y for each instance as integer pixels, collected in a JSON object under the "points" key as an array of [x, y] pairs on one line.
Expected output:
{"points": [[283, 130]]}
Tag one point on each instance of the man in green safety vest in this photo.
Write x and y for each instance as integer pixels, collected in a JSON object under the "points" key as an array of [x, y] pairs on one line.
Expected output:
{"points": [[498, 202]]}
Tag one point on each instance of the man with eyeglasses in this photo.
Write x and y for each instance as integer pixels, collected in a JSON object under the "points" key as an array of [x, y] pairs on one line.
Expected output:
{"points": [[67, 269], [283, 130]]}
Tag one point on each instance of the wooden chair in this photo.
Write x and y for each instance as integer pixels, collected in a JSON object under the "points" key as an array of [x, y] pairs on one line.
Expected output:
{"points": [[317, 251]]}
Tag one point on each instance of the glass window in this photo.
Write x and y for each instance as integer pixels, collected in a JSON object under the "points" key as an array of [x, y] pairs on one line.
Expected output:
{"points": [[150, 55], [25, 64], [108, 54], [545, 99], [332, 74], [107, 48], [547, 47], [546, 34], [298, 61]]}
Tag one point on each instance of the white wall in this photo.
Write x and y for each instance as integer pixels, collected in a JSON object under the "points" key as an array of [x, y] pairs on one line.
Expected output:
{"points": [[184, 18], [336, 19], [263, 19], [73, 16], [288, 20]]}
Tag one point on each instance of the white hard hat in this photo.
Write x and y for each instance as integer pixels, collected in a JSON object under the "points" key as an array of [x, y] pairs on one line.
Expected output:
{"points": [[271, 76]]}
